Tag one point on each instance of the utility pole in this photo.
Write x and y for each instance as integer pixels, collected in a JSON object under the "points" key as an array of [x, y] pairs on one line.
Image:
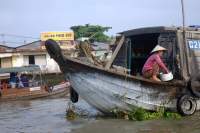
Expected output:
{"points": [[183, 13], [186, 48]]}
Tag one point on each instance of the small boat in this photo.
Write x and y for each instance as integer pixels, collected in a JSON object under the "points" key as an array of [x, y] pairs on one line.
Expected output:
{"points": [[32, 88], [106, 87]]}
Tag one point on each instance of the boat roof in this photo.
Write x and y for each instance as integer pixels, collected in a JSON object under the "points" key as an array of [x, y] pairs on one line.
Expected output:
{"points": [[32, 68], [158, 29]]}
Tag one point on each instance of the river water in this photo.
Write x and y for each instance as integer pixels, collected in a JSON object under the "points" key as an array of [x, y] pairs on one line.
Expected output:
{"points": [[49, 116]]}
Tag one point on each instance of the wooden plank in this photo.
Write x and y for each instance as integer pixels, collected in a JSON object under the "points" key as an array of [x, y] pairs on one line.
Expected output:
{"points": [[109, 63], [193, 35], [196, 53]]}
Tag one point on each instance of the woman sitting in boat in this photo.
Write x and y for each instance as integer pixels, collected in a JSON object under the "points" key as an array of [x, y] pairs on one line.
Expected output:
{"points": [[154, 63]]}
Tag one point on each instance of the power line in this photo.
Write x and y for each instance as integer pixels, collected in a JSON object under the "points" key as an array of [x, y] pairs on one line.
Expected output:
{"points": [[12, 42], [23, 39], [17, 36]]}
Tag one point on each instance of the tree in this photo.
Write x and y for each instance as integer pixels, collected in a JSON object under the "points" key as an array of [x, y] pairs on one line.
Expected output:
{"points": [[95, 32]]}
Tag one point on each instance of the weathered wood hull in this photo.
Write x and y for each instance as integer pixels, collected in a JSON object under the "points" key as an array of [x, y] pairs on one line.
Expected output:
{"points": [[109, 92]]}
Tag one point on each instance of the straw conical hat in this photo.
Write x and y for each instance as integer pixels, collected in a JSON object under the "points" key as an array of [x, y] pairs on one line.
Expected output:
{"points": [[158, 48]]}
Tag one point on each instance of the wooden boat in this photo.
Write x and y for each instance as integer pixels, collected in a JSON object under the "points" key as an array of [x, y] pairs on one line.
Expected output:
{"points": [[107, 88], [36, 89]]}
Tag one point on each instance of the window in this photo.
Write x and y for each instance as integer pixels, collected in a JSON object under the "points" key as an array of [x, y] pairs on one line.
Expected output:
{"points": [[31, 59], [35, 60]]}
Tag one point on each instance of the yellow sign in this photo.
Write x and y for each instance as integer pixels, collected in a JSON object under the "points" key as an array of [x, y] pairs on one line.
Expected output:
{"points": [[57, 36]]}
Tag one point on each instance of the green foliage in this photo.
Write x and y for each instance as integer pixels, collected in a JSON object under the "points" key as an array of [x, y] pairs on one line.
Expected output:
{"points": [[94, 31], [171, 115], [140, 114]]}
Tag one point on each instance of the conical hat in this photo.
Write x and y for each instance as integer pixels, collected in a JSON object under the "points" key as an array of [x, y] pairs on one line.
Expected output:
{"points": [[158, 48]]}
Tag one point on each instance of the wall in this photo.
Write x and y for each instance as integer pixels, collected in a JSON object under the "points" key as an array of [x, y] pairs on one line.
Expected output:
{"points": [[52, 66], [17, 60], [6, 62]]}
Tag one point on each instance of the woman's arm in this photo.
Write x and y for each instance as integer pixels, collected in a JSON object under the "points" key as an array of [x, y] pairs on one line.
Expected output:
{"points": [[161, 64]]}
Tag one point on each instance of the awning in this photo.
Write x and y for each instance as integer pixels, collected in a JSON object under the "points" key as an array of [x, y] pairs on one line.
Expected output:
{"points": [[32, 68]]}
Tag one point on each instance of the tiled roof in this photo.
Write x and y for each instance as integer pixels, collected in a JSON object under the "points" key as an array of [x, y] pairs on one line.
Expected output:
{"points": [[32, 45]]}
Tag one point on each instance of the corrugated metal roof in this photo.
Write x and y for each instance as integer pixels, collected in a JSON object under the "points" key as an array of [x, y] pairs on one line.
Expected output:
{"points": [[33, 45], [6, 49], [158, 29], [4, 46]]}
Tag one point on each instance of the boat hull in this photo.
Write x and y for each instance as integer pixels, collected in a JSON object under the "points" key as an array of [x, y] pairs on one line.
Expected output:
{"points": [[108, 89], [107, 93]]}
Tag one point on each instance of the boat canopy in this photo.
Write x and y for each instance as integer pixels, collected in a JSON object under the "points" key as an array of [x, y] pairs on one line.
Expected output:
{"points": [[158, 29], [32, 68]]}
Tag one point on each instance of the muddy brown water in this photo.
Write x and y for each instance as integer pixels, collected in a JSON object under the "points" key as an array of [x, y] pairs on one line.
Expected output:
{"points": [[49, 116]]}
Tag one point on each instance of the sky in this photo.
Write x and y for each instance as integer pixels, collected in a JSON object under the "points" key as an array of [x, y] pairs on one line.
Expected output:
{"points": [[22, 21]]}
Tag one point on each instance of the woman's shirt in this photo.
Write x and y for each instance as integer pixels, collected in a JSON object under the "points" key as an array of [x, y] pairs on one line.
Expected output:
{"points": [[154, 58]]}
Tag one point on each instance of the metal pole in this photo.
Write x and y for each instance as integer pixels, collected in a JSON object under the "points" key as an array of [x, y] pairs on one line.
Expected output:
{"points": [[185, 39], [183, 13]]}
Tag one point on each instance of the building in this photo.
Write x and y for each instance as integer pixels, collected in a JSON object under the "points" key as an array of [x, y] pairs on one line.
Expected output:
{"points": [[31, 54], [6, 56], [34, 54]]}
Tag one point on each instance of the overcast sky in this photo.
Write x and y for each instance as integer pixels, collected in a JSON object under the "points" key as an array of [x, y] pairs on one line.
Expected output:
{"points": [[31, 17]]}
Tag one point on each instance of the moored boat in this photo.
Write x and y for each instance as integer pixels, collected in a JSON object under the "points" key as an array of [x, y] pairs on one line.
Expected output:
{"points": [[107, 88], [32, 88]]}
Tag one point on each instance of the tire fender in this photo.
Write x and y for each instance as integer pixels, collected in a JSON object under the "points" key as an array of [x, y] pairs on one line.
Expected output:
{"points": [[186, 105]]}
